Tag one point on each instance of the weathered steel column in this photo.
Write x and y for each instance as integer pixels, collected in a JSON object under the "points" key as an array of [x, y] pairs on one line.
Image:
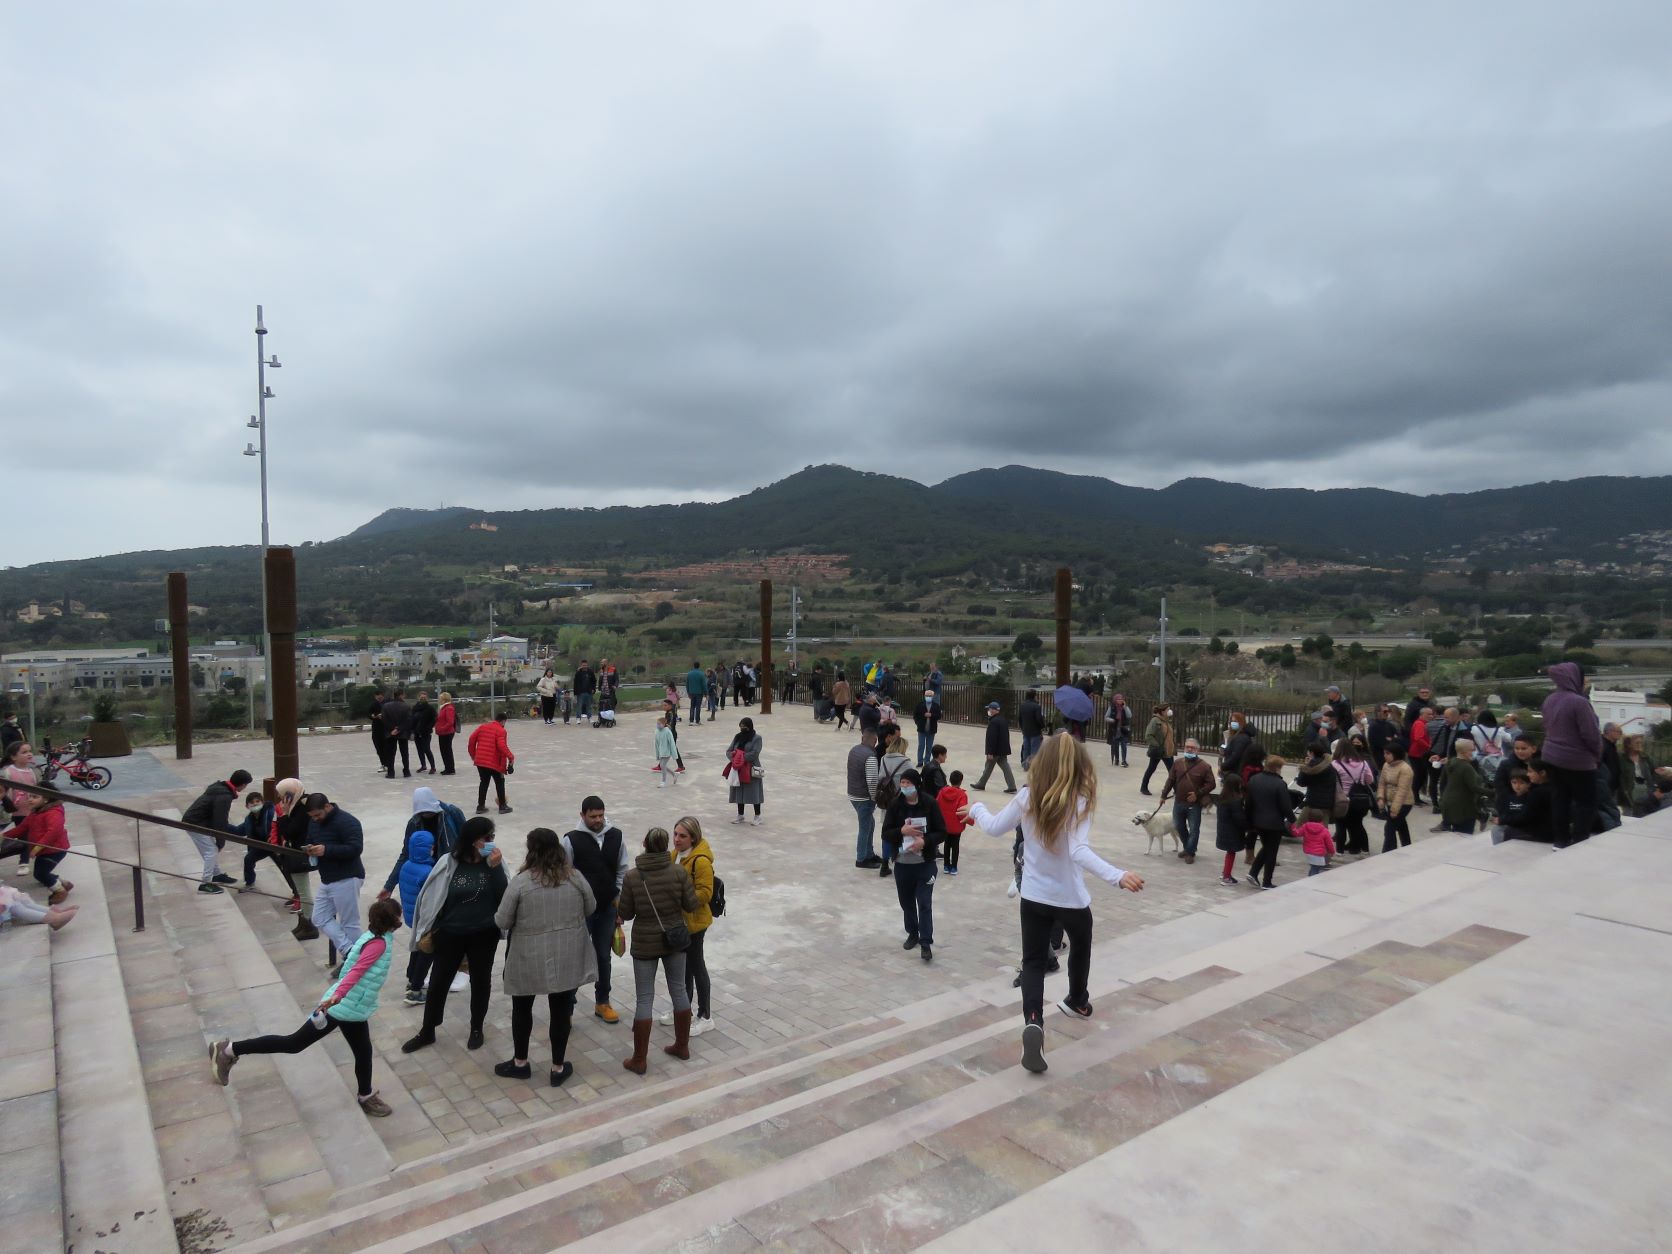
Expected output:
{"points": [[280, 575], [180, 651], [1065, 599], [766, 646]]}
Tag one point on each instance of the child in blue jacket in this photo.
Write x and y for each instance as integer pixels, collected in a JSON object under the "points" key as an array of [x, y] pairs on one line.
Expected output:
{"points": [[420, 861]]}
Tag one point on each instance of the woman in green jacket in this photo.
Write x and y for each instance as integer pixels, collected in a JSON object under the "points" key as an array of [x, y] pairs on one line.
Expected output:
{"points": [[1461, 791], [346, 1006]]}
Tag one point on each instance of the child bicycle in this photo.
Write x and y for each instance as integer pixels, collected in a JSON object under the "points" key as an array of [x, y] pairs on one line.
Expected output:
{"points": [[73, 762]]}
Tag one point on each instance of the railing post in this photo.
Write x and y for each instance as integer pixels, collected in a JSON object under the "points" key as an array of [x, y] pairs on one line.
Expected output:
{"points": [[139, 884]]}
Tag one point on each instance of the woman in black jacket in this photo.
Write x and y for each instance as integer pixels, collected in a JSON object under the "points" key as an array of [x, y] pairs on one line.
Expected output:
{"points": [[1317, 779], [1239, 736], [1270, 811], [913, 825], [423, 727]]}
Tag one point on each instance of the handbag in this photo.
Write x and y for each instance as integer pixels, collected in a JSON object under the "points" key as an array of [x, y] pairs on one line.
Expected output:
{"points": [[618, 943], [678, 937]]}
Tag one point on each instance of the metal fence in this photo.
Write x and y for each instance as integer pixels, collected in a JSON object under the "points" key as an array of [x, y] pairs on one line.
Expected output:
{"points": [[966, 702]]}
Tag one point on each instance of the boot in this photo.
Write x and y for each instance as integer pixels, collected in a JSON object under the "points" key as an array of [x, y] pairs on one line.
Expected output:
{"points": [[639, 1062], [305, 930], [681, 1047]]}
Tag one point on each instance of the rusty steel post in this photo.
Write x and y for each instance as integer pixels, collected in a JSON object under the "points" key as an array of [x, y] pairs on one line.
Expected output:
{"points": [[280, 576], [766, 646], [180, 651], [1065, 600]]}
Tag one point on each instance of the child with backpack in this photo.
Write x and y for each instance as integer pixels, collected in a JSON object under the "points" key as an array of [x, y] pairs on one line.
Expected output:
{"points": [[952, 799]]}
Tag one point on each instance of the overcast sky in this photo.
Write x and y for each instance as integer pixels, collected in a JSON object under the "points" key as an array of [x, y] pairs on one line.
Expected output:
{"points": [[564, 255]]}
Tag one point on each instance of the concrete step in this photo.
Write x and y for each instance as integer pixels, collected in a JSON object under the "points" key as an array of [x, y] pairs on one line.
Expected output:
{"points": [[31, 1194]]}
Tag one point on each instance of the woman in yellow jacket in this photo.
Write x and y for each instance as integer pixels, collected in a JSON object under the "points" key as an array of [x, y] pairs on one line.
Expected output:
{"points": [[692, 853]]}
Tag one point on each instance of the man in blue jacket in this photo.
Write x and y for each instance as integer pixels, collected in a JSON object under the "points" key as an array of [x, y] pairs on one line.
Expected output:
{"points": [[335, 842]]}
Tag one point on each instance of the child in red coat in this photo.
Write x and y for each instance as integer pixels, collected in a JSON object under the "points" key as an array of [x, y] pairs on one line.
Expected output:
{"points": [[1317, 843], [951, 799], [49, 843]]}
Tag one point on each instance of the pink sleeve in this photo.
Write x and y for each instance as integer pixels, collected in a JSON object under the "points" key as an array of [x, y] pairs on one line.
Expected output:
{"points": [[370, 952]]}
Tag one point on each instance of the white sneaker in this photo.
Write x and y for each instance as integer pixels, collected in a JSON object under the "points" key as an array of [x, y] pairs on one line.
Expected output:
{"points": [[756, 821], [738, 819], [700, 1025], [460, 982], [665, 1018]]}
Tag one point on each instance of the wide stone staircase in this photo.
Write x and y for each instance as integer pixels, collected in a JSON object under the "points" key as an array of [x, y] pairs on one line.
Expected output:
{"points": [[886, 1134]]}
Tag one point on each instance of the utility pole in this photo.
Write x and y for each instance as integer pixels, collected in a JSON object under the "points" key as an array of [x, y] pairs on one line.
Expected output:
{"points": [[1161, 665], [490, 656], [258, 423], [795, 621]]}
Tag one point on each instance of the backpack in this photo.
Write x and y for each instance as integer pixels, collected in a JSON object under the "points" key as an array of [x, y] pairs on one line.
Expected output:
{"points": [[452, 829], [888, 788], [717, 899]]}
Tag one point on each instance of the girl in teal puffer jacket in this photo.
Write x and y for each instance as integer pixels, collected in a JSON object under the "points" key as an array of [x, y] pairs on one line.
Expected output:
{"points": [[346, 1006]]}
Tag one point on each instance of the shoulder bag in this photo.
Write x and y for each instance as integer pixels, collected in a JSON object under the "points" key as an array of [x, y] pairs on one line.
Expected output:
{"points": [[678, 937]]}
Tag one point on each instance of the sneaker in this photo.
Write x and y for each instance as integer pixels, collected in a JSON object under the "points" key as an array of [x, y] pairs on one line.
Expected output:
{"points": [[418, 1042], [1033, 1047], [560, 1074], [952, 870], [294, 905], [1253, 881], [882, 871], [910, 943], [665, 1018], [756, 821], [207, 887], [505, 809], [245, 888], [461, 981], [699, 1025], [1228, 880], [481, 809], [220, 877], [510, 1070], [1069, 1008], [738, 819], [375, 1106], [222, 1057], [414, 997], [22, 870], [606, 1012]]}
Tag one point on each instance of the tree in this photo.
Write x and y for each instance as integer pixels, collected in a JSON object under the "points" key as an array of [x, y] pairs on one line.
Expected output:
{"points": [[1445, 638], [1027, 643], [1401, 664], [1480, 576], [663, 610], [1580, 640]]}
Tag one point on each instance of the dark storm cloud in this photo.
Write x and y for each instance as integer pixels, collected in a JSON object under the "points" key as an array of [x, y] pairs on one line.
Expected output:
{"points": [[542, 257]]}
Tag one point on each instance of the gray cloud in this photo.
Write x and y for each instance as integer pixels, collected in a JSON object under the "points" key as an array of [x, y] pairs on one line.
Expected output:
{"points": [[550, 257]]}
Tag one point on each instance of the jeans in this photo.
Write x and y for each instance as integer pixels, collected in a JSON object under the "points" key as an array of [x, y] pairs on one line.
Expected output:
{"points": [[1265, 862], [867, 812], [446, 744], [1187, 822], [418, 968], [336, 913], [696, 709], [45, 863], [925, 748], [450, 950], [1396, 829], [356, 1033], [1038, 923], [1165, 763], [1118, 746], [601, 925], [255, 854], [1030, 746], [585, 705], [207, 849], [1004, 765], [698, 992], [644, 984], [484, 776], [914, 885], [561, 1008]]}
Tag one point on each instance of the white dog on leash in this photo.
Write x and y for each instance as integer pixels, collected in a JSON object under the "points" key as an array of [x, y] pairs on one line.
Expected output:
{"points": [[1159, 826]]}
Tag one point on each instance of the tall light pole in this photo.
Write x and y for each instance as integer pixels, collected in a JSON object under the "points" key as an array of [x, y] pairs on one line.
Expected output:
{"points": [[1161, 665], [258, 423]]}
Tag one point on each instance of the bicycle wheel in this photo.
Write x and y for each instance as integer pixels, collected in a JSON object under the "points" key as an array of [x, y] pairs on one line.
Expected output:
{"points": [[95, 777]]}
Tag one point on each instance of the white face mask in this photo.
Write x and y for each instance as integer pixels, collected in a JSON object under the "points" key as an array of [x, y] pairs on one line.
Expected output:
{"points": [[1236, 726], [1189, 754], [909, 793]]}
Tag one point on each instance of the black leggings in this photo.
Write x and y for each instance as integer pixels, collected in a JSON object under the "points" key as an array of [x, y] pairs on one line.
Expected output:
{"points": [[356, 1033], [1265, 862], [426, 757], [1150, 769], [696, 975], [740, 809], [949, 850], [1039, 924], [1350, 836], [450, 950], [483, 777], [446, 743], [561, 1007], [1574, 805], [1396, 829]]}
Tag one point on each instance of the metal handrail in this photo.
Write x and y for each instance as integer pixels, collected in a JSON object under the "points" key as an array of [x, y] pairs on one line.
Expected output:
{"points": [[140, 816]]}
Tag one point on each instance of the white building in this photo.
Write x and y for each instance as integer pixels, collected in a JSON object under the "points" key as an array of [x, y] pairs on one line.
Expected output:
{"points": [[987, 665], [1633, 711], [506, 648]]}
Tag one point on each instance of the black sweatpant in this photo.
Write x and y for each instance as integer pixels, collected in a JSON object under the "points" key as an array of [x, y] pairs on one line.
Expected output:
{"points": [[356, 1033], [450, 950], [949, 850], [560, 1006], [1265, 862], [1573, 804], [426, 757], [1038, 923], [446, 744], [483, 777]]}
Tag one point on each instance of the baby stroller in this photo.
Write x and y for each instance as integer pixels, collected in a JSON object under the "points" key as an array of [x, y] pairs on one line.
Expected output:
{"points": [[605, 716]]}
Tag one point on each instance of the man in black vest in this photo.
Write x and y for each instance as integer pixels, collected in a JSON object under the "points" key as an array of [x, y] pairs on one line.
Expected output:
{"points": [[599, 852]]}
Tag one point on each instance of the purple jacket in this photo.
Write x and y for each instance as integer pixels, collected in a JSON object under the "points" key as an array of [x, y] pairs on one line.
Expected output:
{"points": [[1572, 735]]}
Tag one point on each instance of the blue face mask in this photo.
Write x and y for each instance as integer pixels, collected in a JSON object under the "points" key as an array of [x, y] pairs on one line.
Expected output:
{"points": [[1188, 754], [909, 793]]}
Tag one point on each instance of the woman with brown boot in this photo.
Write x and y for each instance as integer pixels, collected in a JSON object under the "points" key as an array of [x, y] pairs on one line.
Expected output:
{"points": [[656, 895]]}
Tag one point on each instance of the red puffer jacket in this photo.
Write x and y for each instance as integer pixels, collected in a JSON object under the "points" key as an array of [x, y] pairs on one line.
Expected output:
{"points": [[44, 829], [489, 746], [447, 721]]}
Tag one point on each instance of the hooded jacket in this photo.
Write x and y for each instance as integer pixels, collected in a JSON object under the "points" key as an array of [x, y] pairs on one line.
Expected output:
{"points": [[1572, 735], [414, 868], [444, 832]]}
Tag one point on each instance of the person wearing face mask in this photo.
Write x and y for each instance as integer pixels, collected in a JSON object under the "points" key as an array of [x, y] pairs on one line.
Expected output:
{"points": [[927, 716], [915, 828], [1190, 781], [1238, 738]]}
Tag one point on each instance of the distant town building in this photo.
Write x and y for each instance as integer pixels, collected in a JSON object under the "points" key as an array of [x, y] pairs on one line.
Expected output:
{"points": [[1635, 712]]}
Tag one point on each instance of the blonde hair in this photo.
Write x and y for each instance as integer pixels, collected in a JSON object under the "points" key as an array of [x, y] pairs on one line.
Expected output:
{"points": [[690, 824], [656, 840], [897, 744], [446, 697], [1062, 785]]}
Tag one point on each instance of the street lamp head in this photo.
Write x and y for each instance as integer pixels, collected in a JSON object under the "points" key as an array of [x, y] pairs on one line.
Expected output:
{"points": [[273, 363], [251, 451], [254, 424], [266, 394]]}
